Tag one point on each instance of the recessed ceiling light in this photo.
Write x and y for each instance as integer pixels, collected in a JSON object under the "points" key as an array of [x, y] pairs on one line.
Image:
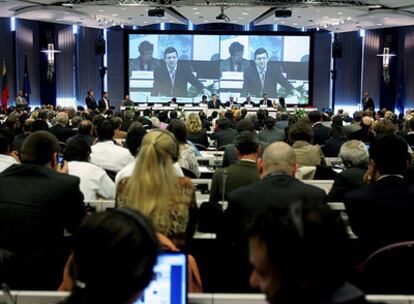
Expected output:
{"points": [[58, 19], [380, 24], [205, 20], [325, 17], [244, 13], [294, 24], [145, 21], [123, 8], [101, 10], [115, 15], [348, 18], [195, 8], [241, 18], [283, 22], [340, 13], [197, 13]]}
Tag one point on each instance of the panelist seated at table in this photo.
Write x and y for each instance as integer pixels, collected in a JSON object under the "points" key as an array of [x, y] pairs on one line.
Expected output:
{"points": [[265, 101], [215, 103], [202, 102], [248, 102], [229, 103]]}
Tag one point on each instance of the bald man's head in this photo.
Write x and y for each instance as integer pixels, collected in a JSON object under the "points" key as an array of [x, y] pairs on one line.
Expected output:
{"points": [[278, 157]]}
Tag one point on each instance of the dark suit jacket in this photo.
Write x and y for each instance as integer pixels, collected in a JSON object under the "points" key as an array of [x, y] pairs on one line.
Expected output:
{"points": [[32, 221], [89, 139], [183, 75], [252, 85], [224, 137], [270, 136], [321, 134], [62, 133], [268, 103], [363, 134], [101, 105], [368, 103], [91, 102], [333, 145], [410, 139], [275, 189], [200, 138], [346, 181], [218, 104], [240, 174], [383, 212]]}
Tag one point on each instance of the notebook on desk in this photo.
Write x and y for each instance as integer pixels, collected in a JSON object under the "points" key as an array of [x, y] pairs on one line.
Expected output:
{"points": [[170, 281]]}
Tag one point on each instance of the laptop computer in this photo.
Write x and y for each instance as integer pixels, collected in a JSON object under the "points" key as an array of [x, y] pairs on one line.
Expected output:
{"points": [[170, 281]]}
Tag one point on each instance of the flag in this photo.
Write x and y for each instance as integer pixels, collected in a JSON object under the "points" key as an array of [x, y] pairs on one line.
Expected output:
{"points": [[4, 88], [27, 90]]}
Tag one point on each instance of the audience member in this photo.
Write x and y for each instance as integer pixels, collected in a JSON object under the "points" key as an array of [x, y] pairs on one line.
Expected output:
{"points": [[8, 157], [85, 131], [187, 156], [271, 134], [61, 129], [105, 153], [242, 173], [300, 254], [224, 134], [383, 128], [301, 134], [155, 190], [94, 181], [122, 240], [355, 157], [133, 142], [196, 133], [321, 132], [337, 138], [410, 134], [19, 139], [116, 124], [37, 204], [365, 134], [381, 213]]}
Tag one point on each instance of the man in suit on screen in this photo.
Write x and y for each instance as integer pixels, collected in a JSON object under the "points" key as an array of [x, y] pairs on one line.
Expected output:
{"points": [[263, 76], [171, 77]]}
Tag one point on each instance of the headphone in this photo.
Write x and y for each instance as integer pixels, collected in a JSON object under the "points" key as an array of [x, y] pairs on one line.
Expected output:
{"points": [[177, 147]]}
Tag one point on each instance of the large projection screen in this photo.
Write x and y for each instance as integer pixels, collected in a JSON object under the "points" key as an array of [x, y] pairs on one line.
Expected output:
{"points": [[187, 66]]}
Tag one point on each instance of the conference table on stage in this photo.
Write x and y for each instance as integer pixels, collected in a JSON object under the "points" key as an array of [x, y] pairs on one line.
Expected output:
{"points": [[189, 108]]}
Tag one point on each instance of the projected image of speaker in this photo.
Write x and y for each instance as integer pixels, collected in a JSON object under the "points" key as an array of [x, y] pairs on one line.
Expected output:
{"points": [[100, 46], [337, 49]]}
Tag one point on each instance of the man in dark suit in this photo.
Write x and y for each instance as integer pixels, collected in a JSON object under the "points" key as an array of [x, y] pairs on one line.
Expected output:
{"points": [[90, 101], [85, 132], [321, 132], [248, 101], [382, 212], [224, 134], [277, 187], [368, 102], [262, 77], [61, 129], [32, 222], [242, 173], [104, 104], [214, 103], [172, 76], [145, 61], [236, 62], [265, 101]]}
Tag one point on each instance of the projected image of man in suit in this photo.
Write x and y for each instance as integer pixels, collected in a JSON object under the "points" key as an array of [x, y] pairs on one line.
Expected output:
{"points": [[263, 77], [172, 76]]}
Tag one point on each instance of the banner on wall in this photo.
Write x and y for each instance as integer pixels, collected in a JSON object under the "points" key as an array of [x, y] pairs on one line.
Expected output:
{"points": [[4, 87], [27, 90]]}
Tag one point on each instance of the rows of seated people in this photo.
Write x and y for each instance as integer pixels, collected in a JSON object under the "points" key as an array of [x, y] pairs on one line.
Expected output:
{"points": [[144, 162]]}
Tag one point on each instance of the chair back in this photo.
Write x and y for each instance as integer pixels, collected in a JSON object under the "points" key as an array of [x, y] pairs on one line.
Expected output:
{"points": [[390, 269]]}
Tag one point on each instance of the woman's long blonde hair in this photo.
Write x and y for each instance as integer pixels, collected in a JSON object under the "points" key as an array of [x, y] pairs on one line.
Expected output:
{"points": [[193, 123], [153, 182]]}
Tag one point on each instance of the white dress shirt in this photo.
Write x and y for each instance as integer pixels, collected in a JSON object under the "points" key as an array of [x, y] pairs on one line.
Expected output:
{"points": [[94, 182], [128, 170], [109, 156], [6, 161]]}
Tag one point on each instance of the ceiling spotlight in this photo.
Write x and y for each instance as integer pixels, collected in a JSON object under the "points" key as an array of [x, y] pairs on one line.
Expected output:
{"points": [[222, 15]]}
